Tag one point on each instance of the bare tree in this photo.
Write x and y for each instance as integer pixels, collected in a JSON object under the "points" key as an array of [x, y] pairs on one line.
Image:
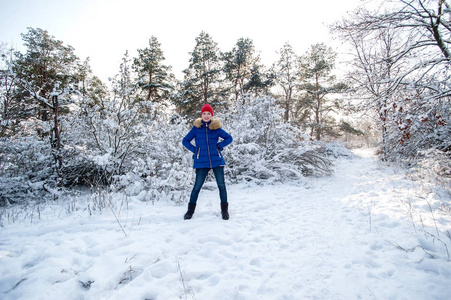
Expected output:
{"points": [[401, 66]]}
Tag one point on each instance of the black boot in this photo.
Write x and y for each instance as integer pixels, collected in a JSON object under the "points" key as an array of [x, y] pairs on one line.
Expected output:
{"points": [[225, 210], [190, 212]]}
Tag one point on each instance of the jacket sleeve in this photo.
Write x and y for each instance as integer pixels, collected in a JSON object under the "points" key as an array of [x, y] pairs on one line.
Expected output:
{"points": [[227, 139], [187, 140]]}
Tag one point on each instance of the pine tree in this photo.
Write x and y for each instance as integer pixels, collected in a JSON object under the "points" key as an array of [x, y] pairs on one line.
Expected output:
{"points": [[239, 66], [84, 74], [286, 73], [202, 80], [318, 82], [259, 83], [47, 64], [154, 78], [11, 109], [48, 73], [96, 92]]}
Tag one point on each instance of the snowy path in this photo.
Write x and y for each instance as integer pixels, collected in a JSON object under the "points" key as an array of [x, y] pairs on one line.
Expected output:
{"points": [[340, 237]]}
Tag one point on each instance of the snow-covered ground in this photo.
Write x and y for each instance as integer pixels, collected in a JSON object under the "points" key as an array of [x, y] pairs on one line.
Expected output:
{"points": [[364, 233]]}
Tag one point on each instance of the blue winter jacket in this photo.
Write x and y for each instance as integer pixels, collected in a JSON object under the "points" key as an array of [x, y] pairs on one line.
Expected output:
{"points": [[209, 139]]}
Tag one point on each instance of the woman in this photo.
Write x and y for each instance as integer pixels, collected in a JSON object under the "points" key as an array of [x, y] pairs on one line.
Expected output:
{"points": [[206, 133]]}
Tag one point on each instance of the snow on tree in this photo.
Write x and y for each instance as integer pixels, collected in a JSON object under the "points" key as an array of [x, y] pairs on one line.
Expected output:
{"points": [[267, 149], [10, 108], [401, 70]]}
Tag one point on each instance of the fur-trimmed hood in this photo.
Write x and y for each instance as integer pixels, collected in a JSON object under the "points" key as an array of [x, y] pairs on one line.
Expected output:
{"points": [[214, 124]]}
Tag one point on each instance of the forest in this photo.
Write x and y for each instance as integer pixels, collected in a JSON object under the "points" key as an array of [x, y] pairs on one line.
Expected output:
{"points": [[63, 129]]}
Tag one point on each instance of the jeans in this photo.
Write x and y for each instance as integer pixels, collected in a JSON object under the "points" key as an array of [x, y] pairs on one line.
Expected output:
{"points": [[201, 175]]}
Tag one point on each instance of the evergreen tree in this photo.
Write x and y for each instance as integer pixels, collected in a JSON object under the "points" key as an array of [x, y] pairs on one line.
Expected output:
{"points": [[259, 83], [47, 73], [84, 74], [239, 64], [154, 78], [96, 92], [202, 79], [10, 108], [316, 67], [286, 73], [47, 64]]}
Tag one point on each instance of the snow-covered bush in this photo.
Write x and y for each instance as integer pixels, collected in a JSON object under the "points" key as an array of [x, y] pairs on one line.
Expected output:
{"points": [[162, 170], [417, 125], [141, 155], [267, 149], [102, 137], [434, 167], [26, 169], [336, 150]]}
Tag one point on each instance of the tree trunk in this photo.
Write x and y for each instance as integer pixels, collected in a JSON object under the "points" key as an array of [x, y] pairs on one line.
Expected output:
{"points": [[56, 138]]}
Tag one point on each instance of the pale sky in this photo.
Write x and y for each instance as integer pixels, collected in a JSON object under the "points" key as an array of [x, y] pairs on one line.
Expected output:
{"points": [[105, 29]]}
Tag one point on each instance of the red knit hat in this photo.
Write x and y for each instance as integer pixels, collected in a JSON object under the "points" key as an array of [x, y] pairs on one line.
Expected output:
{"points": [[207, 107]]}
